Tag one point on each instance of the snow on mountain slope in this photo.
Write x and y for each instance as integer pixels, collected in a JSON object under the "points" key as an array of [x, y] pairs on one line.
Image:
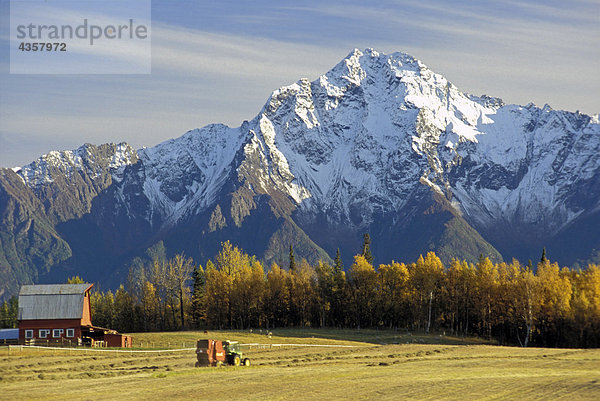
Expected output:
{"points": [[365, 138], [378, 144], [350, 138], [184, 175], [527, 165], [366, 135], [89, 159]]}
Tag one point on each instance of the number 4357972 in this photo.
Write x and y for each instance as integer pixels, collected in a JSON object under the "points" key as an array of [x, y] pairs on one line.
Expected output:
{"points": [[41, 47]]}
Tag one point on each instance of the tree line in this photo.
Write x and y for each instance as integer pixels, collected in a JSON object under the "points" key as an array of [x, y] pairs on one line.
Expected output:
{"points": [[512, 303]]}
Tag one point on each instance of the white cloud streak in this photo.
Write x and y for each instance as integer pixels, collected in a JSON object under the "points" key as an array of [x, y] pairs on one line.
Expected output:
{"points": [[200, 77], [196, 52]]}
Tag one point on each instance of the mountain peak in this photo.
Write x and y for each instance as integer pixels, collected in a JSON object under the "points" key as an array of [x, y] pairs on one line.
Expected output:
{"points": [[378, 144], [92, 159], [358, 64]]}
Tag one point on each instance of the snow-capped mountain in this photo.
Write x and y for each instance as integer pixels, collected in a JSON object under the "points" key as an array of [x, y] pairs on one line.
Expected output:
{"points": [[379, 144], [84, 159]]}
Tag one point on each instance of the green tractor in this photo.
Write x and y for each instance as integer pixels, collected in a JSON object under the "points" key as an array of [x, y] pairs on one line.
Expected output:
{"points": [[234, 355]]}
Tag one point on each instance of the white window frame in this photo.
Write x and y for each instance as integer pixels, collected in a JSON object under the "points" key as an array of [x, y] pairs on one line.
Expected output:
{"points": [[43, 333], [28, 334], [70, 332], [59, 331]]}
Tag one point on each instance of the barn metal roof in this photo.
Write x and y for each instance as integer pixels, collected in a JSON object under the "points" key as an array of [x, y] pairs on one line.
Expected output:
{"points": [[56, 301], [54, 289]]}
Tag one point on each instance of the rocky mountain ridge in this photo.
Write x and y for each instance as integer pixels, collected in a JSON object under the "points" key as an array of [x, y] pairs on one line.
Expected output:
{"points": [[379, 144]]}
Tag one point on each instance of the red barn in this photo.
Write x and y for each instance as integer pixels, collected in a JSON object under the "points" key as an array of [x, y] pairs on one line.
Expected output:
{"points": [[61, 313]]}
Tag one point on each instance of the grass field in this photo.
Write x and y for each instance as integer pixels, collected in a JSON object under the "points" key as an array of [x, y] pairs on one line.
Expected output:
{"points": [[380, 364]]}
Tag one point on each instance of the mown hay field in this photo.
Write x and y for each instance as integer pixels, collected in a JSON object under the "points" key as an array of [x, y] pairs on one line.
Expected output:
{"points": [[379, 364]]}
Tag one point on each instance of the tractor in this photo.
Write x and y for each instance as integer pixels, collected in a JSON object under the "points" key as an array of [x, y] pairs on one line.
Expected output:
{"points": [[217, 353], [234, 355]]}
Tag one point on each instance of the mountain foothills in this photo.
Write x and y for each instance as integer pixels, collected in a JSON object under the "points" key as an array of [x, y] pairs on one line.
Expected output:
{"points": [[380, 144]]}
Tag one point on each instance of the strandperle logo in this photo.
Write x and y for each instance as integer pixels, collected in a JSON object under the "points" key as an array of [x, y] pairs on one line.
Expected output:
{"points": [[82, 31], [80, 37]]}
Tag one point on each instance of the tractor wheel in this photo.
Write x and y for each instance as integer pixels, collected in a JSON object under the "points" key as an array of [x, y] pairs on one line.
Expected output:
{"points": [[246, 362], [197, 364], [236, 360]]}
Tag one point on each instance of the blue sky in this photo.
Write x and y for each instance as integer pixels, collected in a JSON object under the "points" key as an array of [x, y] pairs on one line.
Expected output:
{"points": [[219, 61]]}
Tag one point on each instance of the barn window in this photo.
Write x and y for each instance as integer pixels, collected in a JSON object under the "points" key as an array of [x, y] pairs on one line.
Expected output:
{"points": [[43, 333], [28, 333], [57, 333], [70, 332]]}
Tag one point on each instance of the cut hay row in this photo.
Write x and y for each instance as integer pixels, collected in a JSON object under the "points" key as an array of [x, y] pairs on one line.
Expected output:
{"points": [[259, 345], [112, 350], [372, 371]]}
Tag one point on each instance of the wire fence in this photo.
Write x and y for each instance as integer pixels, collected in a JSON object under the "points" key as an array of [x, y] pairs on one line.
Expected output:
{"points": [[20, 348]]}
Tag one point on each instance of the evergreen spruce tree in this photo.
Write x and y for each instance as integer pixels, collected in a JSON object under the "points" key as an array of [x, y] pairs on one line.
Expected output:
{"points": [[199, 281], [338, 266], [543, 259], [366, 250], [8, 313], [338, 291], [292, 262]]}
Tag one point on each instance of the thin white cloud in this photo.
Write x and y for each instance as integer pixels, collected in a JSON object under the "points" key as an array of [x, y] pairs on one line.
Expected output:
{"points": [[198, 78], [576, 13], [198, 52], [201, 77], [473, 27], [519, 57]]}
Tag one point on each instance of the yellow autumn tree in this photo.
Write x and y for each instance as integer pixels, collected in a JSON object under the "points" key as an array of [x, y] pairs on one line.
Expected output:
{"points": [[363, 290], [507, 317], [179, 272], [150, 306], [324, 290], [426, 277], [301, 289], [555, 303], [277, 297], [458, 293], [586, 306], [218, 287], [231, 262], [526, 296], [486, 284], [393, 294], [247, 295]]}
